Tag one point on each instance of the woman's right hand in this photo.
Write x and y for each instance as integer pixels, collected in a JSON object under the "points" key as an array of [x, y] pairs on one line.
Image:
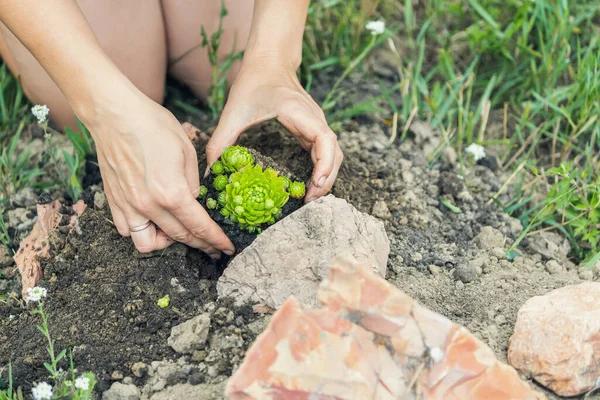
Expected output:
{"points": [[150, 172]]}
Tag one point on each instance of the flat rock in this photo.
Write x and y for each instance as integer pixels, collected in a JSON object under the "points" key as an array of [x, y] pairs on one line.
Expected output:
{"points": [[370, 341], [190, 392], [291, 257], [120, 391], [557, 339], [191, 335]]}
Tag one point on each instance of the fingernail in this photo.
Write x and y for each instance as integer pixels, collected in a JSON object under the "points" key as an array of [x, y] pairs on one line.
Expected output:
{"points": [[207, 172], [321, 182], [229, 252], [215, 256], [311, 199]]}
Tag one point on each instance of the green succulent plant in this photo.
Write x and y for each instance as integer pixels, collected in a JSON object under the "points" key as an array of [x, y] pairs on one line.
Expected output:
{"points": [[217, 168], [211, 204], [286, 182], [234, 158], [222, 199], [254, 197], [220, 182], [203, 192], [297, 190]]}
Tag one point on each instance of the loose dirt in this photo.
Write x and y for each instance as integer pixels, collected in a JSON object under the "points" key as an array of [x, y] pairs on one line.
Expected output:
{"points": [[102, 295]]}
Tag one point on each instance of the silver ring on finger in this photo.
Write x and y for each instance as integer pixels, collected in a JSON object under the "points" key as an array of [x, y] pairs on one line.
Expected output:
{"points": [[141, 227]]}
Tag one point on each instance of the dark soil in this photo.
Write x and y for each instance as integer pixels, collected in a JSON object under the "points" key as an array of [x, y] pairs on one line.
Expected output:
{"points": [[102, 294]]}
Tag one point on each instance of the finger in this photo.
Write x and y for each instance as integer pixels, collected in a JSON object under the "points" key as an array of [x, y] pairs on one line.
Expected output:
{"points": [[191, 214], [192, 175], [316, 192], [148, 239], [176, 231], [145, 241], [118, 217], [324, 142]]}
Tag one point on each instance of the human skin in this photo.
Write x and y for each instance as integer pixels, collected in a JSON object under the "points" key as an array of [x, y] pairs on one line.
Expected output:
{"points": [[148, 165]]}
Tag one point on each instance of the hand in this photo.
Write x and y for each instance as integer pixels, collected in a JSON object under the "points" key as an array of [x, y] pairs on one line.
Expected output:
{"points": [[150, 173], [265, 90]]}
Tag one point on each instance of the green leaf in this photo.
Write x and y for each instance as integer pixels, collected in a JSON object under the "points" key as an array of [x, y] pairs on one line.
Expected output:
{"points": [[450, 206], [61, 355]]}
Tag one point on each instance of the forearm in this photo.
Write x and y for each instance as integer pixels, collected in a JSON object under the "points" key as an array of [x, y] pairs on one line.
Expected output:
{"points": [[59, 37], [277, 30]]}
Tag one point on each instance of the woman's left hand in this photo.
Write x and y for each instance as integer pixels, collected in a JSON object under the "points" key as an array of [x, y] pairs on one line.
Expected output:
{"points": [[264, 90]]}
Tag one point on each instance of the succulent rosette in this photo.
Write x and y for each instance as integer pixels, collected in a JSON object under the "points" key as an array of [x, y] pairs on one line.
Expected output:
{"points": [[202, 192], [220, 182], [254, 197], [297, 190], [211, 204], [217, 168], [234, 158]]}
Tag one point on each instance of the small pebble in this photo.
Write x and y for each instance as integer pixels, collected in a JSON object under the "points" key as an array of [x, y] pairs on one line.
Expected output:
{"points": [[498, 252], [416, 257], [586, 274], [553, 267], [435, 270]]}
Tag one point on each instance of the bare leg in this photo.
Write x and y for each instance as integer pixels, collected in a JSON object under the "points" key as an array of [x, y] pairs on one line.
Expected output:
{"points": [[131, 33], [183, 20]]}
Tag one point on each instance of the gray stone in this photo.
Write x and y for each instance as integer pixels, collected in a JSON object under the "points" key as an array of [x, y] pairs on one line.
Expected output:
{"points": [[116, 375], [408, 177], [551, 245], [6, 259], [120, 391], [498, 252], [435, 270], [516, 227], [19, 219], [553, 267], [416, 257], [465, 272], [292, 256], [585, 274], [257, 327], [381, 210], [489, 238], [191, 392], [139, 369], [190, 335], [24, 198], [222, 341], [99, 200]]}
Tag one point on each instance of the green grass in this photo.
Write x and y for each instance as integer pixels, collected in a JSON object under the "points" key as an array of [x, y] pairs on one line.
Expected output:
{"points": [[13, 105], [531, 66]]}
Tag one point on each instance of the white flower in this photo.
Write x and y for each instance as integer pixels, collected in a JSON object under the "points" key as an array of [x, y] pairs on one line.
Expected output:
{"points": [[40, 112], [376, 27], [35, 294], [11, 317], [436, 354], [42, 391], [82, 383], [477, 150], [459, 176]]}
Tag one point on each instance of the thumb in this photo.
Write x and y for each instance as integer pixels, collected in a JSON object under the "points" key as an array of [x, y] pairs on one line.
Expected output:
{"points": [[227, 132]]}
